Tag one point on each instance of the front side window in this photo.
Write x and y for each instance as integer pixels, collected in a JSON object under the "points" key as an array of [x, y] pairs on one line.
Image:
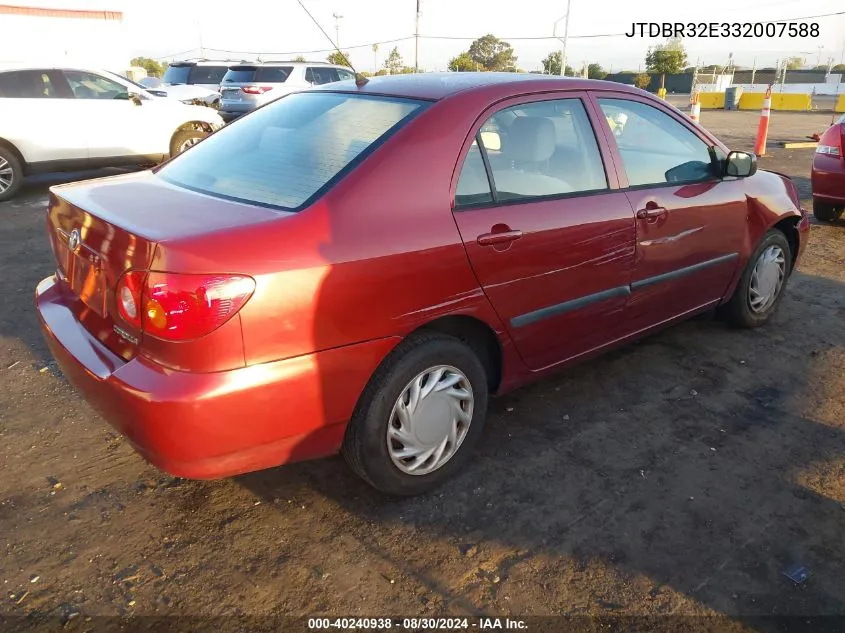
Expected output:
{"points": [[284, 154], [344, 74], [534, 150], [90, 86], [27, 84], [655, 148]]}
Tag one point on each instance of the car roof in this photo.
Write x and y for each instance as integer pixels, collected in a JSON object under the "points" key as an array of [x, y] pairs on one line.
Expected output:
{"points": [[435, 86], [290, 63], [207, 62]]}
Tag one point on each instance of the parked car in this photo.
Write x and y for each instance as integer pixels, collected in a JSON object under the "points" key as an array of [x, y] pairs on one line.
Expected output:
{"points": [[247, 86], [68, 119], [357, 268], [828, 174], [193, 95]]}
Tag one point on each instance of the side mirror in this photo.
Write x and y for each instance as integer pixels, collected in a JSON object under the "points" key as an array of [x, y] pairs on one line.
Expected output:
{"points": [[741, 164]]}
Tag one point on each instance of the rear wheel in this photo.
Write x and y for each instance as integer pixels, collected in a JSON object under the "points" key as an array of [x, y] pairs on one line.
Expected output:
{"points": [[184, 139], [827, 212], [11, 174], [761, 286], [419, 417]]}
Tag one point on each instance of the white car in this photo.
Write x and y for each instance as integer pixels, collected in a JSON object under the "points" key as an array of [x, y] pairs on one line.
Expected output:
{"points": [[68, 118], [186, 93]]}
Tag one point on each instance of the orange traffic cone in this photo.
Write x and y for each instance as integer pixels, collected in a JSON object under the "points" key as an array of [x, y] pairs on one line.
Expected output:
{"points": [[763, 127]]}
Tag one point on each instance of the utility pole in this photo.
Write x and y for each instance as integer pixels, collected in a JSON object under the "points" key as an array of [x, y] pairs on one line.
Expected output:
{"points": [[337, 19], [565, 37], [753, 70], [417, 40]]}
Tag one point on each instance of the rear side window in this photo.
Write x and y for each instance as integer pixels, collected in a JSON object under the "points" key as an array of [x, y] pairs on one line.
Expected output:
{"points": [[535, 150], [284, 154], [273, 74], [655, 148], [28, 84]]}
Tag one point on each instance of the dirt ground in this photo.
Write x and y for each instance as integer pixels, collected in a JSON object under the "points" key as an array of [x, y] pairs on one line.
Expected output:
{"points": [[682, 475]]}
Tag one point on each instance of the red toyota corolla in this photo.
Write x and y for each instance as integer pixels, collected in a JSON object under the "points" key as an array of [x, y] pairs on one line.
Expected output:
{"points": [[356, 268], [828, 174]]}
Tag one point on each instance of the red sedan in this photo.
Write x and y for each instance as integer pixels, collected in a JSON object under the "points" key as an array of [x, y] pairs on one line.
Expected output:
{"points": [[828, 174], [355, 268]]}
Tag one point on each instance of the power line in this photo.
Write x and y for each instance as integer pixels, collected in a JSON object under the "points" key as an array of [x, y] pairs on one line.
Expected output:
{"points": [[297, 52]]}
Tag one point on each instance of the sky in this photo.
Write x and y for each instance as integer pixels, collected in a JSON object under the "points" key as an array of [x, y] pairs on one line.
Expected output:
{"points": [[162, 28]]}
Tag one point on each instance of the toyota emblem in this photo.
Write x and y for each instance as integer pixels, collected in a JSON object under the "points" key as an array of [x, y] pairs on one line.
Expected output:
{"points": [[74, 240]]}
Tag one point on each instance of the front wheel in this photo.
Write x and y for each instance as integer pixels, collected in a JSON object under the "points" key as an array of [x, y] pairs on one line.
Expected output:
{"points": [[11, 174], [419, 417], [826, 212], [184, 139], [761, 286]]}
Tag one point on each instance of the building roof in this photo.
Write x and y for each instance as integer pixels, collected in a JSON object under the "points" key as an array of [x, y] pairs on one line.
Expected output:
{"points": [[43, 12]]}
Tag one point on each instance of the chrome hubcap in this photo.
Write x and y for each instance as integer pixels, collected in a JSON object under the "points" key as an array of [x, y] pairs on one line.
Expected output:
{"points": [[767, 279], [6, 175], [430, 420]]}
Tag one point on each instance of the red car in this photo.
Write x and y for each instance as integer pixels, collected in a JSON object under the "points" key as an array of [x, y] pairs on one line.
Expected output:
{"points": [[355, 268], [828, 174]]}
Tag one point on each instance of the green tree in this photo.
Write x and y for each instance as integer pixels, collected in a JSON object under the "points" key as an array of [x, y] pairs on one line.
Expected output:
{"points": [[642, 80], [551, 65], [299, 58], [794, 63], [666, 58], [595, 71], [394, 62], [491, 53], [839, 68], [338, 58], [153, 68], [381, 72], [462, 63]]}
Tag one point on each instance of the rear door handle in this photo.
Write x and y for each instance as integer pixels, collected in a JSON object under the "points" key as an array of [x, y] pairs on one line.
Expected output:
{"points": [[651, 213], [489, 239]]}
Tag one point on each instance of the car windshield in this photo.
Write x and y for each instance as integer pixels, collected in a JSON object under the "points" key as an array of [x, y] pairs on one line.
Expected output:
{"points": [[287, 153]]}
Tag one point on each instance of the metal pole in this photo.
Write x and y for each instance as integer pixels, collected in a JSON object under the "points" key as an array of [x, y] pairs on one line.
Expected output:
{"points": [[753, 70], [337, 29], [417, 41], [565, 36]]}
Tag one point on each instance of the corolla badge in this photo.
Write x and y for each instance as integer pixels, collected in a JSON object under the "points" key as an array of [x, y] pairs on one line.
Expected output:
{"points": [[74, 240]]}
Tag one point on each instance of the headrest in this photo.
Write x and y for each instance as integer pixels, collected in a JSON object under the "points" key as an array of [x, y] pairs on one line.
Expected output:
{"points": [[531, 139]]}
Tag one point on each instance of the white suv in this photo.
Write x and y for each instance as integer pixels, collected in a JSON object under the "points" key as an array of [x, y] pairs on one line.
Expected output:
{"points": [[67, 119], [247, 86]]}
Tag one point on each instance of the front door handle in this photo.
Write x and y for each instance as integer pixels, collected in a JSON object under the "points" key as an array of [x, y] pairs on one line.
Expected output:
{"points": [[651, 212], [502, 237]]}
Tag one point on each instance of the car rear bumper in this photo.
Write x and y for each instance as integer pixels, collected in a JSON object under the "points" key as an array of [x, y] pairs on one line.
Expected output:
{"points": [[828, 179], [212, 425]]}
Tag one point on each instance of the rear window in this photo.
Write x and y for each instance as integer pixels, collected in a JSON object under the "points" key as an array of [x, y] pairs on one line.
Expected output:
{"points": [[273, 74], [287, 153], [267, 74], [239, 74], [194, 74]]}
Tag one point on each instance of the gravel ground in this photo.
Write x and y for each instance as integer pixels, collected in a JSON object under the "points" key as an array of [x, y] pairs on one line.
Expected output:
{"points": [[681, 475]]}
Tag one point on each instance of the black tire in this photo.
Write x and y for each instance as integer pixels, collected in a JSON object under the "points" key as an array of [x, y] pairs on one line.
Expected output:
{"points": [[177, 145], [365, 445], [827, 212], [11, 171], [738, 311]]}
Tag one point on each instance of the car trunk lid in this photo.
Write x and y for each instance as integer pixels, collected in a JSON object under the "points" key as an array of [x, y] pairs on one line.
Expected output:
{"points": [[100, 229]]}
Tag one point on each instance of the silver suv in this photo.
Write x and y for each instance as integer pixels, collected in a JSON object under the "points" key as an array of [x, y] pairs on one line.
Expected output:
{"points": [[247, 86], [205, 73]]}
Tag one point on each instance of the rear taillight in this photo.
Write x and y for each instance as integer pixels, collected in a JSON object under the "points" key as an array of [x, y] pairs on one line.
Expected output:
{"points": [[256, 90], [831, 141], [180, 307]]}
